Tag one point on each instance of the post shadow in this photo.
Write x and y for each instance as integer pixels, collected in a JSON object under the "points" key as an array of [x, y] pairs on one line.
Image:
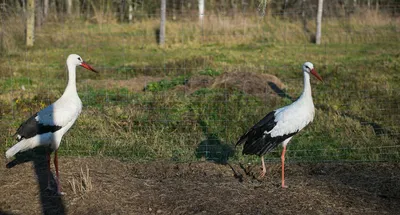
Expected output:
{"points": [[307, 31], [157, 35], [372, 179], [4, 213], [51, 200], [212, 148]]}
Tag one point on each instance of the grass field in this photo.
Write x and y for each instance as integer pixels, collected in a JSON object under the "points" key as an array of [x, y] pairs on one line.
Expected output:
{"points": [[173, 103], [154, 116]]}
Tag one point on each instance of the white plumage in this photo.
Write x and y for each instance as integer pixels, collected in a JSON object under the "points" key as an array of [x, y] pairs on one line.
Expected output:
{"points": [[280, 125], [296, 116], [62, 113], [47, 127]]}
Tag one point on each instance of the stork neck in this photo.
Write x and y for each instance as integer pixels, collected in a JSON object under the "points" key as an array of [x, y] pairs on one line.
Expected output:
{"points": [[307, 86], [71, 87]]}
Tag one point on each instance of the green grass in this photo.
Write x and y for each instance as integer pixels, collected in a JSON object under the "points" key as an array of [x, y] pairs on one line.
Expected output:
{"points": [[359, 62], [164, 84]]}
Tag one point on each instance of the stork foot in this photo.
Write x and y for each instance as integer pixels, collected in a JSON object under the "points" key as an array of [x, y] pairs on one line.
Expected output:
{"points": [[284, 186], [54, 191], [51, 190], [262, 174], [59, 192]]}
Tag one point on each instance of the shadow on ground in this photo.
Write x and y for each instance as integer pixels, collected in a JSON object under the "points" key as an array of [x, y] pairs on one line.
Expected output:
{"points": [[208, 188], [51, 202], [4, 213], [365, 178], [212, 148]]}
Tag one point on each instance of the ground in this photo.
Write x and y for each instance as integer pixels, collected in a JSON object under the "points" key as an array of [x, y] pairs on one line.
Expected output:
{"points": [[117, 187]]}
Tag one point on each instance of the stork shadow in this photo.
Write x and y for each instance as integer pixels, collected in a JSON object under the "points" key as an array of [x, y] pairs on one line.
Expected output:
{"points": [[212, 148], [307, 31], [365, 180], [378, 129], [5, 213], [51, 201], [281, 93]]}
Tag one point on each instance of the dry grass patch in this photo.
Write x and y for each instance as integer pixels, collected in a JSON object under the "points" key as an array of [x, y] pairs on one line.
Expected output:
{"points": [[82, 183], [136, 84]]}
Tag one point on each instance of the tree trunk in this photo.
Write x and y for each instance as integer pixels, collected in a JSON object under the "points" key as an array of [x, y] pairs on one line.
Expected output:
{"points": [[77, 8], [182, 7], [355, 6], [163, 20], [285, 2], [45, 8], [88, 9], [69, 6], [23, 5], [319, 22], [39, 14], [173, 10], [130, 11], [201, 10], [30, 23], [303, 9], [122, 11]]}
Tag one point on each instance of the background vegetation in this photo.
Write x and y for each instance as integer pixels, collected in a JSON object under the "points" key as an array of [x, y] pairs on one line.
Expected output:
{"points": [[154, 103]]}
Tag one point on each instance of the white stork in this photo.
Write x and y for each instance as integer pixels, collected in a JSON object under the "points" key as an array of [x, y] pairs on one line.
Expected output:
{"points": [[47, 127], [280, 125]]}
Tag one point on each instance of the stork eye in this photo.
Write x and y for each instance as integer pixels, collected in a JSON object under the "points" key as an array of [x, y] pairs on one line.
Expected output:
{"points": [[79, 59], [307, 67]]}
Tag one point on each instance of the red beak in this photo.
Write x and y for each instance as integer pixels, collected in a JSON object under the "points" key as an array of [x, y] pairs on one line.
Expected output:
{"points": [[316, 74], [87, 66]]}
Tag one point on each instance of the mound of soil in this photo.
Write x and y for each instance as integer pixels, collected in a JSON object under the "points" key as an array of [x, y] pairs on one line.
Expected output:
{"points": [[260, 85], [249, 82]]}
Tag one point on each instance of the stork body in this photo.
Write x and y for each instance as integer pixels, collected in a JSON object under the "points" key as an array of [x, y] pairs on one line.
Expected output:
{"points": [[280, 125], [47, 127]]}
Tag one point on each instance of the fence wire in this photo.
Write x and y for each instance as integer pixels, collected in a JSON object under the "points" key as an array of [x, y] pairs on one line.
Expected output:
{"points": [[160, 104]]}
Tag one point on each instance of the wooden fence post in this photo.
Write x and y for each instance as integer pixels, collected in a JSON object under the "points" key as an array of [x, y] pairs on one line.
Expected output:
{"points": [[30, 23], [319, 22]]}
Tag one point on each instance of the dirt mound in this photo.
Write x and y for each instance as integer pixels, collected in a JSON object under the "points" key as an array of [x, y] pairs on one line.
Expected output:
{"points": [[255, 84], [249, 82], [261, 85], [201, 81]]}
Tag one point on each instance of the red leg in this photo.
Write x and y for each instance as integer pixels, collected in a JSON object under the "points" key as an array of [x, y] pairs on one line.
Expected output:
{"points": [[57, 174], [283, 167], [262, 174]]}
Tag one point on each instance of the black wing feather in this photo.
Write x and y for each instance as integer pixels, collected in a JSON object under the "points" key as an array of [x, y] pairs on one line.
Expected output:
{"points": [[32, 127], [265, 124], [256, 142]]}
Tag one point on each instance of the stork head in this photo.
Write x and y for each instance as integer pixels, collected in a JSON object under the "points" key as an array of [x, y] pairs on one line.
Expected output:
{"points": [[76, 60], [309, 68]]}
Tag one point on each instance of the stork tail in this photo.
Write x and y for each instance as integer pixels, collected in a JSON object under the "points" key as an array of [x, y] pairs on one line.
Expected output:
{"points": [[19, 147]]}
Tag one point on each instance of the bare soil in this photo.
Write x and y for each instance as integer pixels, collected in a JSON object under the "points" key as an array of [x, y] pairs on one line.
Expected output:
{"points": [[249, 82], [204, 188], [256, 84]]}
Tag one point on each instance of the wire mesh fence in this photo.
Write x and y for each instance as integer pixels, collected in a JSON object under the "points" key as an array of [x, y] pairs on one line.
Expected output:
{"points": [[214, 79]]}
